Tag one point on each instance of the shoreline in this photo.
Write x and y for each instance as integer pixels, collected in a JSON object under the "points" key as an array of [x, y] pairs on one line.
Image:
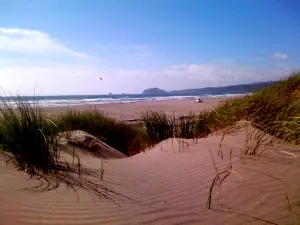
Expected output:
{"points": [[91, 101]]}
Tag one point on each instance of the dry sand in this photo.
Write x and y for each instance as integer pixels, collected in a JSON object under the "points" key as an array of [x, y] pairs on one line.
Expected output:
{"points": [[165, 185], [128, 111]]}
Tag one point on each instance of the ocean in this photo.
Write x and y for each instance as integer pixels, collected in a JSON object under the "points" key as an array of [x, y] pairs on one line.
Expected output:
{"points": [[73, 100]]}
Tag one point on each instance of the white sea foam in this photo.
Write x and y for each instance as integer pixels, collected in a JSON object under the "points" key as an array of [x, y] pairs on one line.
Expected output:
{"points": [[226, 95]]}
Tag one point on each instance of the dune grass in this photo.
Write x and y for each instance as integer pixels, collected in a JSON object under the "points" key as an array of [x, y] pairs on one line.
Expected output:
{"points": [[28, 136], [275, 110], [32, 139], [122, 136], [159, 126]]}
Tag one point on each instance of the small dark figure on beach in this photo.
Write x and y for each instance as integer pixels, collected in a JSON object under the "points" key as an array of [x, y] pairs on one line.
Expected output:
{"points": [[199, 100]]}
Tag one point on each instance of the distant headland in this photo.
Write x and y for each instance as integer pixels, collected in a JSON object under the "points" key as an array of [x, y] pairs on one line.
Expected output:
{"points": [[233, 89]]}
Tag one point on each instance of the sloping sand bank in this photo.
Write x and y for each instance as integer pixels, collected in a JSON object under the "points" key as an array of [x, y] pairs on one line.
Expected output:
{"points": [[165, 185]]}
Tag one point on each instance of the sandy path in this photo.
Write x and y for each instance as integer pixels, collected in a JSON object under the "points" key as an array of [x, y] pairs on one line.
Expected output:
{"points": [[165, 186], [131, 110]]}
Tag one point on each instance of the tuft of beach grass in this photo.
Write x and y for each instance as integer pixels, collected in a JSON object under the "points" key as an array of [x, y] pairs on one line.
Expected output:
{"points": [[29, 137]]}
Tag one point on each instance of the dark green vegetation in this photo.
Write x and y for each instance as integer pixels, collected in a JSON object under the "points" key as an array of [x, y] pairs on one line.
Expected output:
{"points": [[154, 91], [29, 137], [122, 136], [275, 110], [32, 138], [159, 126]]}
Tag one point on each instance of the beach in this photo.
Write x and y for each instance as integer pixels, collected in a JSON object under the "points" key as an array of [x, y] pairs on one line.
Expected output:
{"points": [[149, 112], [169, 183], [130, 111]]}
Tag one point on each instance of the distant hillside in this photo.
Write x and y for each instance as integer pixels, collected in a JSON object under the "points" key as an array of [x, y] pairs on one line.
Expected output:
{"points": [[233, 89], [154, 91]]}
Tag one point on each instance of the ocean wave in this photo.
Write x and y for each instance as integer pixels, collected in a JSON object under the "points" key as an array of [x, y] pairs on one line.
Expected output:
{"points": [[226, 95], [97, 99], [42, 102]]}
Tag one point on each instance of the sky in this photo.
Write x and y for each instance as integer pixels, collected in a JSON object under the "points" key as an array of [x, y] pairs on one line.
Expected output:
{"points": [[55, 47]]}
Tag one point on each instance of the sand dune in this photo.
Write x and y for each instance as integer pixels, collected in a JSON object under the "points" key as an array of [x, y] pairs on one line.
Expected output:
{"points": [[165, 185]]}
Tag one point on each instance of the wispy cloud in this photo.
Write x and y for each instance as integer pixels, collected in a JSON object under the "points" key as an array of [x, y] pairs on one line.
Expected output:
{"points": [[279, 55], [33, 42], [226, 74]]}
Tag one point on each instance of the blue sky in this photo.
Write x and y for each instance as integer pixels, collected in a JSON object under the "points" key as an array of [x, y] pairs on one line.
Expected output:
{"points": [[63, 47]]}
